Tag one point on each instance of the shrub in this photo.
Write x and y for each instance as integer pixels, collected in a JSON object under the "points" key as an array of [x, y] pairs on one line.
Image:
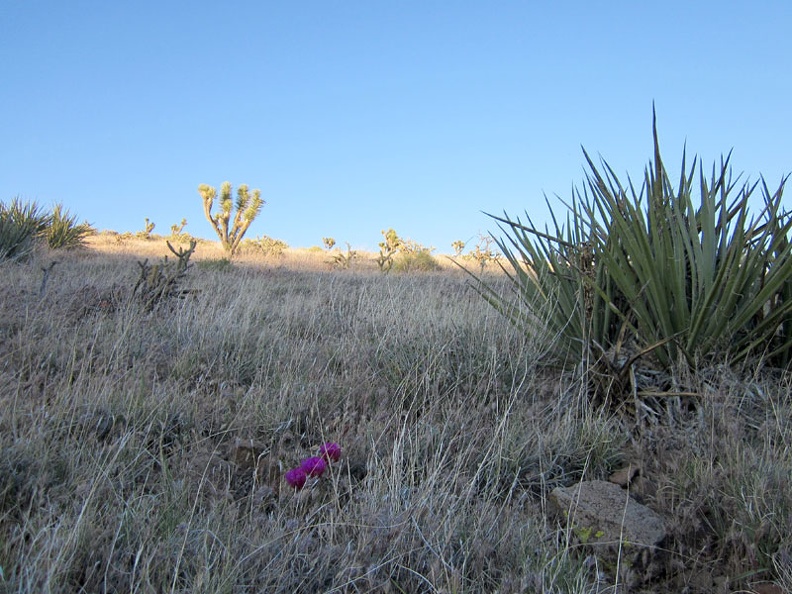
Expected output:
{"points": [[21, 226], [265, 245], [216, 264], [417, 260], [665, 274], [64, 231]]}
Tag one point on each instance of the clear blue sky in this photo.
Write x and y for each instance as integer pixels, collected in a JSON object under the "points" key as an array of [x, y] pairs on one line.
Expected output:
{"points": [[356, 116]]}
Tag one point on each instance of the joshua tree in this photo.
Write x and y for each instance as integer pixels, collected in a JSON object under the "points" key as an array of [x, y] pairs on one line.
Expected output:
{"points": [[248, 205], [391, 244]]}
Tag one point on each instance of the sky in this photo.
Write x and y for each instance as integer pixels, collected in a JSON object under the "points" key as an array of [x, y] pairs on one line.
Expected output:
{"points": [[357, 116]]}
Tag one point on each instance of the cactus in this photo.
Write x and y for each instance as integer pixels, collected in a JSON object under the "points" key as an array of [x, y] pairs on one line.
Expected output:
{"points": [[231, 229], [343, 260], [160, 281]]}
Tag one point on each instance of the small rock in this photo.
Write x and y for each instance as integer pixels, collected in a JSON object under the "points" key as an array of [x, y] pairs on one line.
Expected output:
{"points": [[604, 516], [606, 507]]}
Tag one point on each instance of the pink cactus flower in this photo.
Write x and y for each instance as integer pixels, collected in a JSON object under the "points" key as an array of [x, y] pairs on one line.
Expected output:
{"points": [[296, 478], [330, 451], [314, 466]]}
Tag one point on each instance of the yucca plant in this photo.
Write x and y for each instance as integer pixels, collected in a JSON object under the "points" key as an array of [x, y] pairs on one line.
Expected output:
{"points": [[64, 231], [669, 274], [21, 225]]}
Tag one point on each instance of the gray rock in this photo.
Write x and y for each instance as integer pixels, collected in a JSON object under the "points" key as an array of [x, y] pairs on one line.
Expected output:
{"points": [[604, 516], [594, 507]]}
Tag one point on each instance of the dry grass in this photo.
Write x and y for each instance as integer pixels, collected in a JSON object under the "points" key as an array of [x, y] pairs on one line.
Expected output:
{"points": [[142, 450]]}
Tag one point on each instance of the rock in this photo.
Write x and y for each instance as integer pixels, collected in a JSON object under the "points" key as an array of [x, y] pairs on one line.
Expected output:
{"points": [[603, 515], [605, 507]]}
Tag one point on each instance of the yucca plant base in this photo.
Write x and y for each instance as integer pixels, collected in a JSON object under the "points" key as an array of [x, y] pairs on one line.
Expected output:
{"points": [[655, 278]]}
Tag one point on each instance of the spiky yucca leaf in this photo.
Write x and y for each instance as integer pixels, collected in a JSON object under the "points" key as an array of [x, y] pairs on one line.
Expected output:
{"points": [[64, 231], [21, 225], [684, 273]]}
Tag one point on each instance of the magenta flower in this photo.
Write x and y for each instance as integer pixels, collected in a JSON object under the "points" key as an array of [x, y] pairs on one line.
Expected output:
{"points": [[314, 466], [296, 478], [330, 451]]}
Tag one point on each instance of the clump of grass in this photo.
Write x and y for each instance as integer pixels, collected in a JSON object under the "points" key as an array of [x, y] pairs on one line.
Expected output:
{"points": [[216, 264]]}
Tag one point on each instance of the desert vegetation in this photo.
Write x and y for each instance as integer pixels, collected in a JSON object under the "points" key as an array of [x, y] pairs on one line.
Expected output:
{"points": [[174, 421], [24, 225], [234, 217], [145, 448]]}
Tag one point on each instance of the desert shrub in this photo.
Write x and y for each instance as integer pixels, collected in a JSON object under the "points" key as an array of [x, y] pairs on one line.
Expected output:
{"points": [[663, 274], [64, 231], [419, 260], [21, 226], [215, 264], [265, 245]]}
